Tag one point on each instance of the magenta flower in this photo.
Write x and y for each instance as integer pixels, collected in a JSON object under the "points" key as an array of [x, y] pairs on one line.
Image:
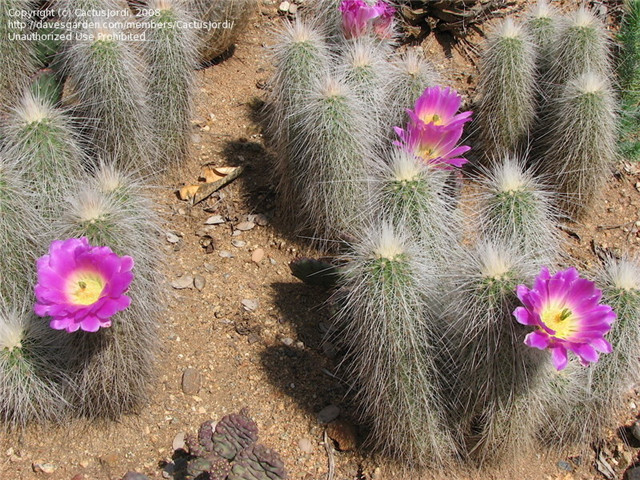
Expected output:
{"points": [[433, 144], [439, 106], [81, 286], [357, 15], [566, 312], [383, 23]]}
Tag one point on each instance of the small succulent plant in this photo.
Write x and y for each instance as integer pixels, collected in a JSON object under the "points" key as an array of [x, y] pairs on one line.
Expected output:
{"points": [[228, 451]]}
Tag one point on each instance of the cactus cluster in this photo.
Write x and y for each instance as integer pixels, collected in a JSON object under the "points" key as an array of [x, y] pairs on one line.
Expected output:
{"points": [[229, 450], [430, 278], [86, 122], [629, 79], [544, 89]]}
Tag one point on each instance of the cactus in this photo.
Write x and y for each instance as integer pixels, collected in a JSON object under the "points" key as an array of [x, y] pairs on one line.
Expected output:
{"points": [[43, 138], [113, 368], [170, 54], [234, 433], [580, 147], [515, 208], [258, 462], [410, 194], [233, 17], [17, 57], [385, 292], [506, 108], [408, 76], [20, 230], [334, 151], [31, 366], [541, 24], [300, 56], [581, 45], [108, 81], [629, 78], [211, 467], [491, 368]]}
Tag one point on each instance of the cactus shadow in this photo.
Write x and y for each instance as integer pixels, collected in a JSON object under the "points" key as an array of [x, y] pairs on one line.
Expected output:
{"points": [[302, 372]]}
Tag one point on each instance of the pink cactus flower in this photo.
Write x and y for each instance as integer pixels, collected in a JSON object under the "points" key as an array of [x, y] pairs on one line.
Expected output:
{"points": [[567, 315], [358, 15], [80, 286]]}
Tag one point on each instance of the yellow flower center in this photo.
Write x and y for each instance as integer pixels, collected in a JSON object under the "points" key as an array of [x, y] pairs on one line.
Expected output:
{"points": [[85, 288], [433, 118], [561, 320]]}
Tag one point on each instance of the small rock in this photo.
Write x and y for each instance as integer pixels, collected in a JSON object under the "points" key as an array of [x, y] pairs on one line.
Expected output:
{"points": [[42, 467], [214, 220], [134, 476], [633, 473], [172, 237], [253, 338], [284, 7], [344, 434], [563, 465], [185, 281], [225, 254], [287, 341], [110, 460], [305, 445], [261, 219], [244, 226], [199, 282], [191, 380], [209, 267], [207, 243], [293, 9], [328, 414], [238, 243], [250, 304], [635, 430], [196, 139], [178, 440], [272, 261], [82, 476], [377, 474], [257, 255]]}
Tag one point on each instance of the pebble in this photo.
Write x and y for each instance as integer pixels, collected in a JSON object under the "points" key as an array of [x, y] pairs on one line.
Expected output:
{"points": [[633, 473], [134, 476], [257, 255], [328, 414], [191, 380], [172, 237], [253, 338], [563, 465], [284, 7], [214, 220], [635, 430], [287, 341], [377, 474], [178, 441], [250, 304], [293, 9], [225, 254], [110, 460], [244, 226], [261, 220], [305, 445], [199, 282], [209, 267], [185, 281], [238, 243], [42, 467]]}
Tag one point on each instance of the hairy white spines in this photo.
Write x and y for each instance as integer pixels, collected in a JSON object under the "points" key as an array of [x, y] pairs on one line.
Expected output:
{"points": [[334, 151], [32, 364], [43, 138], [507, 89], [516, 209], [113, 368], [171, 55], [108, 84], [17, 58], [21, 229], [541, 23], [490, 369], [580, 146], [384, 323]]}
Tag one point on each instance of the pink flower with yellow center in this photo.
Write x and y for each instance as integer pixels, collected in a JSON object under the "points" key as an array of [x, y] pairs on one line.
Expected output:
{"points": [[439, 106], [434, 145], [566, 312], [80, 286], [358, 15]]}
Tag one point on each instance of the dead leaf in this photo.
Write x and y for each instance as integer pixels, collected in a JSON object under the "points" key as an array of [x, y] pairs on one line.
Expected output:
{"points": [[213, 174], [188, 191]]}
